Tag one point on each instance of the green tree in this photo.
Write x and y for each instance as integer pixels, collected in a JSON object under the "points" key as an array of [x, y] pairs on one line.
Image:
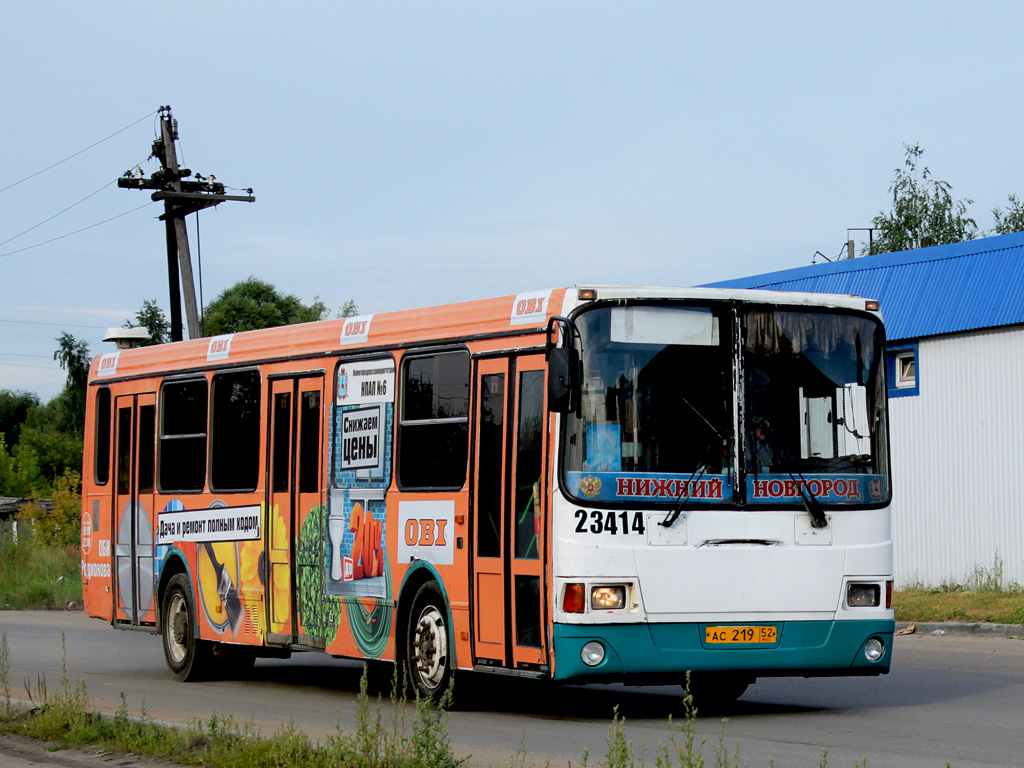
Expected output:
{"points": [[348, 309], [1010, 220], [14, 408], [923, 210], [153, 319], [254, 303], [45, 452], [73, 356], [16, 479]]}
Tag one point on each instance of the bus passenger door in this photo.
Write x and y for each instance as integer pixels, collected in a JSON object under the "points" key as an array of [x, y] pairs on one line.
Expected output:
{"points": [[294, 455], [509, 553], [135, 435]]}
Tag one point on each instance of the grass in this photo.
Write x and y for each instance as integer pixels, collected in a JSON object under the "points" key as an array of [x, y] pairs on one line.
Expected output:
{"points": [[935, 605], [38, 577], [404, 735], [983, 595]]}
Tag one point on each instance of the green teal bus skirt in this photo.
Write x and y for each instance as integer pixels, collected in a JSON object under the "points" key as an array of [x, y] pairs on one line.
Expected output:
{"points": [[665, 652]]}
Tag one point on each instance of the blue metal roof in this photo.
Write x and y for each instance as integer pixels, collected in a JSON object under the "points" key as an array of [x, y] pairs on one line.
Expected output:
{"points": [[924, 292]]}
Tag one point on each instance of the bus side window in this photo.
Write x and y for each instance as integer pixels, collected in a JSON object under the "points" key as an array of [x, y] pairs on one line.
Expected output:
{"points": [[433, 433], [235, 431], [101, 457], [181, 463]]}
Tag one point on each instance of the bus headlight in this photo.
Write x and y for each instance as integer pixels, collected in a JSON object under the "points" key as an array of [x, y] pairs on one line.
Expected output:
{"points": [[592, 653], [863, 595], [874, 649], [608, 598]]}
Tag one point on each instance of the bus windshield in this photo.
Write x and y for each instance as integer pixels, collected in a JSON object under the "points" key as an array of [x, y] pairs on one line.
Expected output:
{"points": [[665, 391], [814, 404], [656, 405]]}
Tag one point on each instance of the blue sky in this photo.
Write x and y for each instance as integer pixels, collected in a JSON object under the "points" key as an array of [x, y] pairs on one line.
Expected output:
{"points": [[404, 154]]}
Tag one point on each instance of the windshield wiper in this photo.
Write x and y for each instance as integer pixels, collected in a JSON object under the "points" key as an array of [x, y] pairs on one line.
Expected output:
{"points": [[697, 474], [680, 502], [818, 517]]}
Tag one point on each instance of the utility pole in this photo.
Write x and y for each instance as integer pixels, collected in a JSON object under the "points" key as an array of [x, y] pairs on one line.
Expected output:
{"points": [[180, 199]]}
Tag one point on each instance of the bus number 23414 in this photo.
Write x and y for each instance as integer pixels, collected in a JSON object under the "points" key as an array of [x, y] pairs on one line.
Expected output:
{"points": [[609, 522]]}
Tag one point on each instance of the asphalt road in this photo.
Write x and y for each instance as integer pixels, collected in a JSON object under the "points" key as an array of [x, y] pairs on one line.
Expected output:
{"points": [[948, 699]]}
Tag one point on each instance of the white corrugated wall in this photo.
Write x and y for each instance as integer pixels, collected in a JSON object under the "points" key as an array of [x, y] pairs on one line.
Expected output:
{"points": [[958, 460]]}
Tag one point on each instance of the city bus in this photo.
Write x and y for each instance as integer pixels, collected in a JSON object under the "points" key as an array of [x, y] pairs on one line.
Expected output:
{"points": [[584, 484]]}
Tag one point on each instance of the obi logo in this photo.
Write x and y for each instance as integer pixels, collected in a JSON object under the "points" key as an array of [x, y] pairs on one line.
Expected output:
{"points": [[108, 364], [425, 532], [356, 330], [530, 308], [220, 347]]}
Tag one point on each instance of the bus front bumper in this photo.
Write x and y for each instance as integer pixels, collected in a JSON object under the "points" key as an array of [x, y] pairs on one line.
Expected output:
{"points": [[663, 653]]}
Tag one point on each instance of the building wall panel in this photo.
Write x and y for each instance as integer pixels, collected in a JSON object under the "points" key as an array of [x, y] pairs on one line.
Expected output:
{"points": [[958, 484]]}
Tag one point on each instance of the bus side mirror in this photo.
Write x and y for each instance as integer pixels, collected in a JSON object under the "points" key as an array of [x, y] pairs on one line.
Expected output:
{"points": [[563, 379]]}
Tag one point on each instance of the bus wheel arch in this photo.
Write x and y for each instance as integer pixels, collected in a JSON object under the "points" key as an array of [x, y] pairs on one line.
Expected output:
{"points": [[424, 636], [172, 566]]}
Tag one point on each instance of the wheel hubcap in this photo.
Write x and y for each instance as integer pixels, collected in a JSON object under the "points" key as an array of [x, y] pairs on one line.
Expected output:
{"points": [[430, 646], [177, 629]]}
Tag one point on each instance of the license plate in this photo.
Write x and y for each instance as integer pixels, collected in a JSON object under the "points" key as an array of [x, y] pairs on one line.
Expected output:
{"points": [[741, 635]]}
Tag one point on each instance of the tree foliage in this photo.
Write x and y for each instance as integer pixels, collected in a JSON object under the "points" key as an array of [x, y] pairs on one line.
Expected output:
{"points": [[42, 443], [153, 319], [254, 303], [348, 309], [1010, 220], [45, 451], [73, 356], [923, 212], [14, 408], [61, 524]]}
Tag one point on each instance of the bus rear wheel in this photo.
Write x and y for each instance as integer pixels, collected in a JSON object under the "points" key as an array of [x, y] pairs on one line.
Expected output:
{"points": [[428, 644], [187, 656]]}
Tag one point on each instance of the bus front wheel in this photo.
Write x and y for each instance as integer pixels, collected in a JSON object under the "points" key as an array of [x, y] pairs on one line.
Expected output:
{"points": [[428, 643], [715, 689], [187, 656]]}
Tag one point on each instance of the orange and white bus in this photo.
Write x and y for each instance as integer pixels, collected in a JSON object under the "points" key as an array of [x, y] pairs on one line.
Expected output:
{"points": [[589, 484]]}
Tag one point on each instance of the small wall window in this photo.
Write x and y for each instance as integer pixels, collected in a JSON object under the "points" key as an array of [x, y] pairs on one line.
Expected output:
{"points": [[903, 370], [235, 431], [433, 436], [181, 463]]}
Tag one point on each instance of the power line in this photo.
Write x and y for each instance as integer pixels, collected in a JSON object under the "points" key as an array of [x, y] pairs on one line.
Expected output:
{"points": [[27, 365], [5, 242], [69, 157], [57, 325], [22, 354], [69, 234]]}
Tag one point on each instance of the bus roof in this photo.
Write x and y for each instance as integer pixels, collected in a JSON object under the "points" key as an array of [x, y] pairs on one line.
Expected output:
{"points": [[501, 316]]}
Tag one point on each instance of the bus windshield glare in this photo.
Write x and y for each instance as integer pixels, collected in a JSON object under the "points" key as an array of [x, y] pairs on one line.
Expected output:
{"points": [[666, 390]]}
